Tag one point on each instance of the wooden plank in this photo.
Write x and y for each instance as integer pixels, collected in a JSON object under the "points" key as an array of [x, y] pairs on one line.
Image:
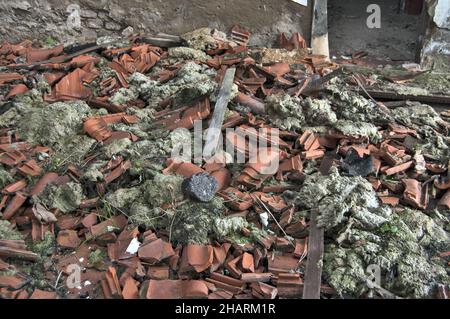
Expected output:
{"points": [[319, 29], [313, 274], [214, 130]]}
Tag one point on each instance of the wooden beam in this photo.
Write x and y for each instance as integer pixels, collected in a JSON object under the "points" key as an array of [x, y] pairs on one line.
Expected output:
{"points": [[215, 127], [313, 274], [319, 29]]}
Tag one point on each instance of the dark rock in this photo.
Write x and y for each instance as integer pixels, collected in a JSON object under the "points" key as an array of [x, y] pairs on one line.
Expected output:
{"points": [[201, 186], [355, 165]]}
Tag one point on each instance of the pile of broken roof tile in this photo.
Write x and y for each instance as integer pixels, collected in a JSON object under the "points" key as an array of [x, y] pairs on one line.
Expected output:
{"points": [[119, 258]]}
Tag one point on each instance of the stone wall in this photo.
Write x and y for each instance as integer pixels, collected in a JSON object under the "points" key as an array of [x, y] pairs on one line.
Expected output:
{"points": [[435, 51], [71, 21]]}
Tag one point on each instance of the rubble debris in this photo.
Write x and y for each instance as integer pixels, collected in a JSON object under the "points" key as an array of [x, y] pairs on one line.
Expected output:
{"points": [[95, 171]]}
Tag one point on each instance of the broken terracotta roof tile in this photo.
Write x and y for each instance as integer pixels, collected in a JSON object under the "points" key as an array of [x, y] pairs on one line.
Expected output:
{"points": [[30, 168], [130, 289], [253, 103], [445, 200], [185, 169], [42, 294], [155, 251], [390, 200], [240, 35], [68, 239], [295, 42], [309, 155], [9, 77], [110, 285], [176, 289], [15, 187], [71, 86], [262, 290], [196, 257], [442, 183], [220, 294], [14, 282], [400, 168], [236, 199], [158, 272], [16, 90], [282, 263], [38, 55], [247, 263], [219, 256], [14, 204], [12, 158], [289, 165], [414, 194]]}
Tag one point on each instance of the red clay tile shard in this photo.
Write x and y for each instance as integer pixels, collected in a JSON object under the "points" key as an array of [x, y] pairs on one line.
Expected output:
{"points": [[117, 172], [414, 194], [16, 90], [176, 289], [240, 35], [282, 263], [253, 103], [445, 200], [48, 178], [71, 86], [12, 158], [68, 239], [38, 55], [42, 294], [12, 282], [295, 42], [262, 290], [247, 262], [196, 257], [110, 225], [14, 204], [442, 183], [30, 168], [16, 249], [389, 200], [185, 169], [399, 168], [110, 285], [158, 272], [155, 251], [130, 289], [9, 77], [15, 187]]}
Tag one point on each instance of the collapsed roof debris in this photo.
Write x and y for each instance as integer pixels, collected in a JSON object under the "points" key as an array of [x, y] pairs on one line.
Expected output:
{"points": [[94, 172]]}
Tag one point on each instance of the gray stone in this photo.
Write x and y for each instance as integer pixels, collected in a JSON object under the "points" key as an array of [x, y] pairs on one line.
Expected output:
{"points": [[201, 186]]}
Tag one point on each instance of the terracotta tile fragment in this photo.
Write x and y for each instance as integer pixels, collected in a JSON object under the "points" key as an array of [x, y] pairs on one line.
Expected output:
{"points": [[414, 194], [390, 200], [30, 168], [445, 200], [176, 289], [158, 272], [42, 294], [400, 168], [130, 289], [68, 239], [155, 251], [14, 204], [15, 187], [196, 257], [262, 290], [247, 263]]}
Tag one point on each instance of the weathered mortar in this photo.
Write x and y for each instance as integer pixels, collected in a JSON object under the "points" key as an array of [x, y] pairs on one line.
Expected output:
{"points": [[74, 20]]}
